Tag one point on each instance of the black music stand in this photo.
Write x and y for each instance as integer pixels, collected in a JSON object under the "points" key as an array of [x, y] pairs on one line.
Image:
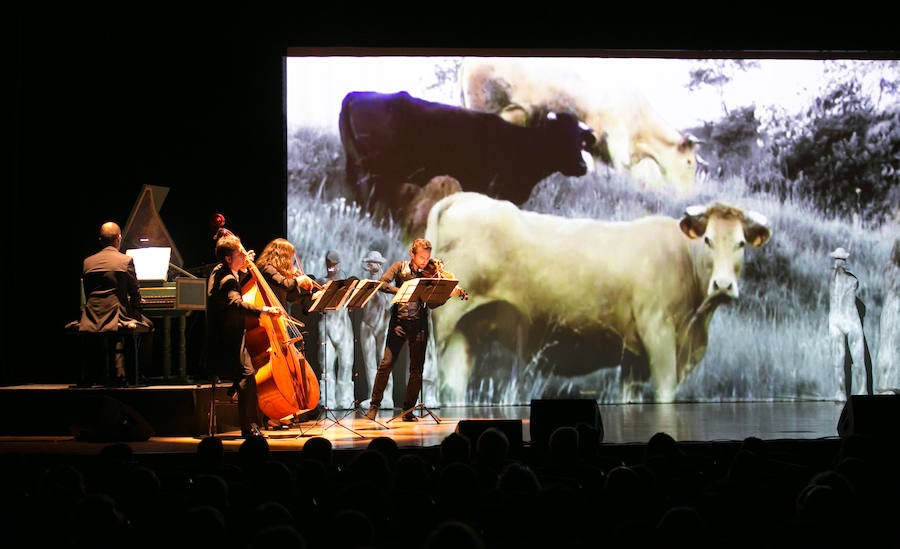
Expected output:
{"points": [[333, 297], [359, 297], [433, 292]]}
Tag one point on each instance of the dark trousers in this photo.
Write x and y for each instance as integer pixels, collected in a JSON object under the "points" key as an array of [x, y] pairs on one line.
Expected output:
{"points": [[245, 386], [248, 402], [400, 332]]}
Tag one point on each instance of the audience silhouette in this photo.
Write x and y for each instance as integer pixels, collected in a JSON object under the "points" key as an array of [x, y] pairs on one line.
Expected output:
{"points": [[663, 492]]}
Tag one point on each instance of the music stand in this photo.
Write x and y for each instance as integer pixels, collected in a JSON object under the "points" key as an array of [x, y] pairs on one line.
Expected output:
{"points": [[433, 292], [333, 297], [359, 297]]}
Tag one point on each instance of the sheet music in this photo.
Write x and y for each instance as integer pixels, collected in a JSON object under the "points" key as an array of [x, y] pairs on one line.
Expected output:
{"points": [[333, 295], [363, 292], [406, 291], [151, 263], [431, 291]]}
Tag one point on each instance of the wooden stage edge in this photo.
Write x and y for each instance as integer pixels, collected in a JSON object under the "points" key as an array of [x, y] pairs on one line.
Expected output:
{"points": [[54, 419]]}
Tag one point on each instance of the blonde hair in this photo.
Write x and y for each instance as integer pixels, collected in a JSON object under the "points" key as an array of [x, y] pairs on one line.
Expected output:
{"points": [[419, 244]]}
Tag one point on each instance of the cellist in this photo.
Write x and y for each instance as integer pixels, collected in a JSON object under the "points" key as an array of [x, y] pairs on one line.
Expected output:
{"points": [[226, 313]]}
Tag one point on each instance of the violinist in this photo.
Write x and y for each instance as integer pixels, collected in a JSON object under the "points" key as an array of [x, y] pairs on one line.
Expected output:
{"points": [[226, 312], [408, 325], [280, 266]]}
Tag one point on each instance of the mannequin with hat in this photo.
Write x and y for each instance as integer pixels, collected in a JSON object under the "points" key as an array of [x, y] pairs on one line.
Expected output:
{"points": [[336, 348], [373, 323], [849, 350]]}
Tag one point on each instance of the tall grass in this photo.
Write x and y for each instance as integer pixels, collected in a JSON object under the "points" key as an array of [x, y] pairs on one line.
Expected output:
{"points": [[770, 344]]}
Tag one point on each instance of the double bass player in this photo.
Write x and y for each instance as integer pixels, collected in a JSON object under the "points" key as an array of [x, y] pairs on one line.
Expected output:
{"points": [[226, 311]]}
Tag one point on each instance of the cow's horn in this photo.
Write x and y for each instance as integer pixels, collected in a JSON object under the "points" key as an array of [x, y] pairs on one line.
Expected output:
{"points": [[701, 161]]}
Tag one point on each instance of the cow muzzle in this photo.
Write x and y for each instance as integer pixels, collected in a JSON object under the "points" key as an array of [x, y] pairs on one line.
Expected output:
{"points": [[723, 287]]}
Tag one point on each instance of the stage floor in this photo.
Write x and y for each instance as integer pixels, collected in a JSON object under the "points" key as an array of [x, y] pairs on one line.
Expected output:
{"points": [[622, 423]]}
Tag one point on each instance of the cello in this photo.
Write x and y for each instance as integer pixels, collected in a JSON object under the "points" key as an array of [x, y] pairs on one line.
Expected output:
{"points": [[286, 383]]}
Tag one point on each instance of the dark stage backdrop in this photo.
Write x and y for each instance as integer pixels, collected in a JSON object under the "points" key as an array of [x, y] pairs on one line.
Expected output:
{"points": [[107, 99]]}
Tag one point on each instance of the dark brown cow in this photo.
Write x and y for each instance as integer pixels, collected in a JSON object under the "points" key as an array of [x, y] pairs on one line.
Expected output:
{"points": [[391, 139]]}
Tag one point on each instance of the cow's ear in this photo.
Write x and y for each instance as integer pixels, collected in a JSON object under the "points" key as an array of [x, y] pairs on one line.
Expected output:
{"points": [[693, 224], [756, 229]]}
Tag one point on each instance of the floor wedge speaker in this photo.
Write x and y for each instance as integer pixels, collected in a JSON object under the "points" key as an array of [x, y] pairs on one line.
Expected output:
{"points": [[871, 415], [106, 419], [549, 414]]}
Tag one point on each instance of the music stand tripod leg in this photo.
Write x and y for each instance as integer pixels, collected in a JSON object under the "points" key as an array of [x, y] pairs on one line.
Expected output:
{"points": [[422, 410], [359, 412], [337, 421], [211, 431]]}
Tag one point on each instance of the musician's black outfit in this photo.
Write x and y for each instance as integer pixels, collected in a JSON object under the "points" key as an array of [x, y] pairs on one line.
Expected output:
{"points": [[408, 324], [227, 354]]}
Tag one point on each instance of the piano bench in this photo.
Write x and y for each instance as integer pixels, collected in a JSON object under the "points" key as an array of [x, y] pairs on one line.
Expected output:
{"points": [[102, 345]]}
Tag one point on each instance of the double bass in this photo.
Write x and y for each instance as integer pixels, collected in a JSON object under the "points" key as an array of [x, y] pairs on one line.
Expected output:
{"points": [[286, 383]]}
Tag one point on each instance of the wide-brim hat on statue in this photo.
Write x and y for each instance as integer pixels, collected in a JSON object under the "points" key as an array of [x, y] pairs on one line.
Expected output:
{"points": [[332, 258], [373, 257], [840, 253]]}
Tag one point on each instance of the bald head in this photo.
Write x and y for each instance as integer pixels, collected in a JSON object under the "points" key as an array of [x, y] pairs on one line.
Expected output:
{"points": [[110, 233]]}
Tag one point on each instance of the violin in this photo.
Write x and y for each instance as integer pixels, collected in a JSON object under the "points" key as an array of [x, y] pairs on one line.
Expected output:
{"points": [[301, 273], [435, 269]]}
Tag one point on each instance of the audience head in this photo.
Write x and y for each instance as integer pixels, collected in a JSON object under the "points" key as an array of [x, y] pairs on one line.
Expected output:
{"points": [[319, 449], [386, 446], [282, 536], [211, 454], [492, 445], [456, 447], [564, 443], [253, 452], [352, 528], [518, 480], [454, 534]]}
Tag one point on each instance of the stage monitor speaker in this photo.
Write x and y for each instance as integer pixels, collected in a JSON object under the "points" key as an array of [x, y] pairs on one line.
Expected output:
{"points": [[549, 414], [106, 419], [870, 415], [512, 428]]}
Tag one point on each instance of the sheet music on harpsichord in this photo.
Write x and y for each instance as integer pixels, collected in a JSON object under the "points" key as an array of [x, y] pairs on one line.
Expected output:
{"points": [[433, 292]]}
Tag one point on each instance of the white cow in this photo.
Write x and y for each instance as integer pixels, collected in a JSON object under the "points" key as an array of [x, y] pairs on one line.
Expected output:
{"points": [[627, 128], [645, 288]]}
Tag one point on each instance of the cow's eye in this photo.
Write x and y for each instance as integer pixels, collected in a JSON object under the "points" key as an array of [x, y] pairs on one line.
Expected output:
{"points": [[741, 244], [708, 241]]}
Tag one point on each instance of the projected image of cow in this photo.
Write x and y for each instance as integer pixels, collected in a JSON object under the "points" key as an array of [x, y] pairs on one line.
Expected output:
{"points": [[394, 140], [638, 295], [584, 278], [631, 135]]}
